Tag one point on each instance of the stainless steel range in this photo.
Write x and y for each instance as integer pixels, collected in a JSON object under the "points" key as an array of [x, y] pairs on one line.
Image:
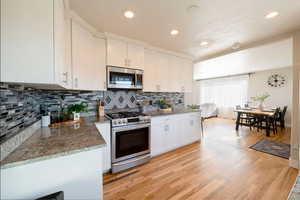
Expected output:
{"points": [[130, 138]]}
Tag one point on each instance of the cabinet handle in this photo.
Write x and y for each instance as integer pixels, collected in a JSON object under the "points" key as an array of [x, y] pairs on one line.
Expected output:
{"points": [[192, 122], [76, 82], [158, 88], [65, 74], [182, 89], [166, 128]]}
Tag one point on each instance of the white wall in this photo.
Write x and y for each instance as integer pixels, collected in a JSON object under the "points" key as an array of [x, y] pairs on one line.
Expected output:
{"points": [[279, 96], [275, 55]]}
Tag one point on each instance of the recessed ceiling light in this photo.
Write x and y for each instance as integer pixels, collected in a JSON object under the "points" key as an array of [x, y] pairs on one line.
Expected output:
{"points": [[272, 15], [204, 43], [174, 32], [129, 14]]}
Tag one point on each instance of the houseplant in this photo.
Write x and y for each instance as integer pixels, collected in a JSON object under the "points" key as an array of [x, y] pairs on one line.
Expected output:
{"points": [[261, 99], [164, 106], [76, 109]]}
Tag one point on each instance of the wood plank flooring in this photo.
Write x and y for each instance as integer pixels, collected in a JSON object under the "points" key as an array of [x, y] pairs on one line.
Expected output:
{"points": [[220, 167]]}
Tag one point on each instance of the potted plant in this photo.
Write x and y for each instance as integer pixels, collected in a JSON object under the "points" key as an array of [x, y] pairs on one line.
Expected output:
{"points": [[76, 109], [193, 107], [164, 106], [261, 99]]}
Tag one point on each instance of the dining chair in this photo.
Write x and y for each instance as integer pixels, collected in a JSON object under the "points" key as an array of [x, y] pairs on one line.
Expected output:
{"points": [[262, 122], [281, 118], [245, 118]]}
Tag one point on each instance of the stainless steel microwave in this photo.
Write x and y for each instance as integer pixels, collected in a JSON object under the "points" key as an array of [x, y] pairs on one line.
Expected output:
{"points": [[124, 78]]}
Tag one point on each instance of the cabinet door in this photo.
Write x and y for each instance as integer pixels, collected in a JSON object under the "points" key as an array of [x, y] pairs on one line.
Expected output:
{"points": [[157, 136], [175, 74], [135, 56], [88, 59], [163, 73], [187, 72], [116, 53], [67, 70], [104, 129], [150, 71], [196, 126], [27, 41], [99, 56], [61, 29]]}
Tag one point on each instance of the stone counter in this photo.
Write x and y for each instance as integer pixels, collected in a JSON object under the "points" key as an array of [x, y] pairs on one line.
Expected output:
{"points": [[174, 112], [48, 143]]}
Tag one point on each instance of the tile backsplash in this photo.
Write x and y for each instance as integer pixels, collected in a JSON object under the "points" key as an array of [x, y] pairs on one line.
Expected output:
{"points": [[21, 106]]}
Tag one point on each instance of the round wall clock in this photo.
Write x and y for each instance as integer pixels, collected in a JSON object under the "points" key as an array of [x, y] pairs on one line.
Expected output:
{"points": [[276, 80]]}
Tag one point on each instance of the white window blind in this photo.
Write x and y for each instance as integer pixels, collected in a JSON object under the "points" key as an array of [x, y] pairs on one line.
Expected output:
{"points": [[226, 93]]}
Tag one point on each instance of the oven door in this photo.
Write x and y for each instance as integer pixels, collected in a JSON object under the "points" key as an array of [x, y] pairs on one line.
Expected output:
{"points": [[121, 78], [130, 141]]}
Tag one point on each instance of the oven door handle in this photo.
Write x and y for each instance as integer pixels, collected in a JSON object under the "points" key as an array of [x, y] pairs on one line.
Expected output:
{"points": [[133, 127]]}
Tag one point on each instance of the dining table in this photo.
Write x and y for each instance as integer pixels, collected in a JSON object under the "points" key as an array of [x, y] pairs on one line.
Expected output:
{"points": [[267, 113]]}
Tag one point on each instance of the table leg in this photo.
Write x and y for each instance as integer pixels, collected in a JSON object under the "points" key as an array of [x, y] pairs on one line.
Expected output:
{"points": [[268, 127], [237, 121]]}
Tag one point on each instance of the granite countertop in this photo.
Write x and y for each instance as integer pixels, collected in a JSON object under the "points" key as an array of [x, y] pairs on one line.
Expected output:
{"points": [[174, 112], [48, 143]]}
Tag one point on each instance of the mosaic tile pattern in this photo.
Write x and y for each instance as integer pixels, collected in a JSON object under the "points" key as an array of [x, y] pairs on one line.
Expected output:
{"points": [[20, 107], [295, 192]]}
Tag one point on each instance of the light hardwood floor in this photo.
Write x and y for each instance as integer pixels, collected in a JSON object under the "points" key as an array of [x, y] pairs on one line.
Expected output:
{"points": [[219, 167]]}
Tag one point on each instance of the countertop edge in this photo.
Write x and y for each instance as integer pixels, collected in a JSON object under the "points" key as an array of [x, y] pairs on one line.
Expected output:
{"points": [[173, 113], [29, 161], [66, 153]]}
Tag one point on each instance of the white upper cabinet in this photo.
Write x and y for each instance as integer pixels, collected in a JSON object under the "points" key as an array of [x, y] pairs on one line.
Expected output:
{"points": [[88, 60], [135, 56], [32, 42], [175, 74], [116, 53], [188, 75], [156, 72], [167, 73], [151, 71], [124, 54]]}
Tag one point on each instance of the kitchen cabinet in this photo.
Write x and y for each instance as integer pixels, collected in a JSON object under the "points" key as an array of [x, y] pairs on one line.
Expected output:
{"points": [[175, 74], [135, 56], [77, 174], [116, 53], [158, 134], [124, 54], [156, 72], [33, 42], [174, 131], [166, 73], [187, 70], [104, 129], [88, 59]]}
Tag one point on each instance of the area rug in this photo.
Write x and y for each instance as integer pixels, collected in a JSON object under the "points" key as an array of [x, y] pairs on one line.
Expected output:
{"points": [[273, 148]]}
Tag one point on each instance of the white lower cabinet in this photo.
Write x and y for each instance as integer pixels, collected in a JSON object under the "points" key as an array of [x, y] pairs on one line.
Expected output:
{"points": [[174, 131], [104, 129]]}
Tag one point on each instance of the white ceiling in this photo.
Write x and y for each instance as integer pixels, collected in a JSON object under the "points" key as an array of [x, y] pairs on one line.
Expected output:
{"points": [[221, 22]]}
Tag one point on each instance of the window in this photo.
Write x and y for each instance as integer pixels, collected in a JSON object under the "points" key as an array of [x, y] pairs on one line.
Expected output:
{"points": [[226, 93]]}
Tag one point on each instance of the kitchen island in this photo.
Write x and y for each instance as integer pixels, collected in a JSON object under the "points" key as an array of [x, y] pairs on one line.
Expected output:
{"points": [[66, 158]]}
